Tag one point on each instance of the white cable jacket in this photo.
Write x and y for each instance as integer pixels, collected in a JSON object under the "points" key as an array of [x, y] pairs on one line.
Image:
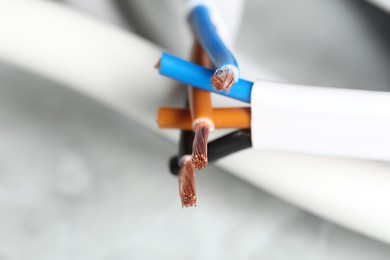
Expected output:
{"points": [[317, 120], [351, 193], [90, 56], [384, 4], [116, 68], [104, 9]]}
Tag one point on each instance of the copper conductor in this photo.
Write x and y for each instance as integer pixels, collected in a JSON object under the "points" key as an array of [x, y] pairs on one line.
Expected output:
{"points": [[199, 148], [187, 188], [158, 64], [223, 79]]}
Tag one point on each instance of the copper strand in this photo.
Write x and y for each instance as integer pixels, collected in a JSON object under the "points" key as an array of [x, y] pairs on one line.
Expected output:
{"points": [[199, 148], [187, 188], [223, 79], [201, 114]]}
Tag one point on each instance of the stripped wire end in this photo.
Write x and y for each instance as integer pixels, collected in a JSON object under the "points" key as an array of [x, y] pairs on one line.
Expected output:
{"points": [[224, 78], [187, 189], [199, 147], [158, 64]]}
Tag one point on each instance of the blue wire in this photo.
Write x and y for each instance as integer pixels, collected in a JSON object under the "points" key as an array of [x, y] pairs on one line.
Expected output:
{"points": [[208, 38], [199, 77]]}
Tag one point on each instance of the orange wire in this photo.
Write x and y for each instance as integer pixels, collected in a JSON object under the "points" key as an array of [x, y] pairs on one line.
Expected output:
{"points": [[222, 117], [201, 113], [200, 100]]}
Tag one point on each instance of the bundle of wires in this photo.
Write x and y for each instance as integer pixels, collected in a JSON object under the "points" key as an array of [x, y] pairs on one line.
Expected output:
{"points": [[307, 119], [200, 118], [282, 117]]}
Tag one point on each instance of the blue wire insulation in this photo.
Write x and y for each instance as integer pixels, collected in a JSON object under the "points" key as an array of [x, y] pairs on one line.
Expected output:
{"points": [[206, 33], [199, 77]]}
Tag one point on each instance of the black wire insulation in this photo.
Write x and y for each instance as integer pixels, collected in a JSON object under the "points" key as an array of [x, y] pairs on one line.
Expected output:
{"points": [[185, 146], [229, 144]]}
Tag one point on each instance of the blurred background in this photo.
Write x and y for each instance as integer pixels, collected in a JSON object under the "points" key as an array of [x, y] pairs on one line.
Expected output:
{"points": [[79, 180]]}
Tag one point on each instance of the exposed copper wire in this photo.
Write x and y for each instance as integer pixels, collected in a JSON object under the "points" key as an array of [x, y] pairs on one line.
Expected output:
{"points": [[199, 148], [187, 189], [223, 79], [158, 64]]}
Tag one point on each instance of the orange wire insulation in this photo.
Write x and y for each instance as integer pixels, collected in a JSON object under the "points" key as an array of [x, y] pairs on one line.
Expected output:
{"points": [[222, 117], [201, 113], [200, 100]]}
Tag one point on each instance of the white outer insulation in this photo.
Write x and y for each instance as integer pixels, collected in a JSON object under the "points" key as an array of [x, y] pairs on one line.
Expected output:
{"points": [[351, 193], [116, 68], [384, 4], [103, 9], [101, 60], [317, 120]]}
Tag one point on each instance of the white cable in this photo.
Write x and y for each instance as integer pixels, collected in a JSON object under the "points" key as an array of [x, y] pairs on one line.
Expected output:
{"points": [[317, 120], [101, 60], [117, 68], [384, 4], [103, 9], [351, 193]]}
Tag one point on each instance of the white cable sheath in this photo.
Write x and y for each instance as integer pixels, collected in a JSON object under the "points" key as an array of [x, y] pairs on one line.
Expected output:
{"points": [[351, 193], [317, 120], [116, 68], [384, 4], [104, 61], [104, 9]]}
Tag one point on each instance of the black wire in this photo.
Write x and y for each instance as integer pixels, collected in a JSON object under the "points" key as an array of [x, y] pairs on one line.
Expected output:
{"points": [[185, 142], [185, 146], [217, 149], [228, 144]]}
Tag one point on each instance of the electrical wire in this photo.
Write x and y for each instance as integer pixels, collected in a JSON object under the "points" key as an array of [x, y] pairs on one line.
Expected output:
{"points": [[182, 166], [306, 119], [62, 63], [186, 163], [239, 117], [229, 144], [199, 77], [339, 122], [185, 148], [186, 180], [221, 147], [227, 71], [201, 113]]}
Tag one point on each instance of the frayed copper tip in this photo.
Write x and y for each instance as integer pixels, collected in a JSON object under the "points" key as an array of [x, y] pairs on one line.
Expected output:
{"points": [[158, 64], [199, 147], [223, 79], [187, 189]]}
